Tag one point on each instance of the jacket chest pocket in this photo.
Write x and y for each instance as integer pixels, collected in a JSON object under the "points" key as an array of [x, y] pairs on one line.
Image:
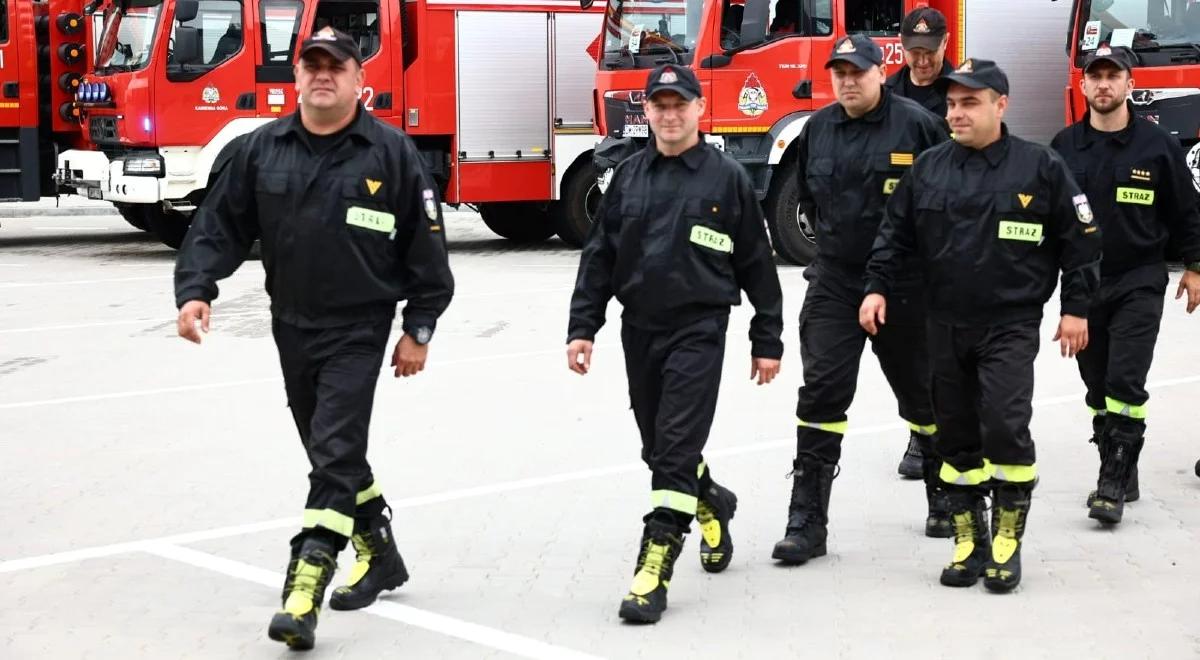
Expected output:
{"points": [[1019, 222], [1135, 186], [818, 173], [271, 197], [707, 230], [932, 222]]}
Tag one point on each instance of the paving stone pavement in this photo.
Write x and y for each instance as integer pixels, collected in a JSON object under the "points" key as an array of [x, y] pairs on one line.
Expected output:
{"points": [[516, 486]]}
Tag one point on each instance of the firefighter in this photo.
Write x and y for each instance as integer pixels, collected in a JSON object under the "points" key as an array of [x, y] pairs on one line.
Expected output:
{"points": [[991, 219], [851, 155], [1136, 177], [350, 225], [678, 236], [924, 36]]}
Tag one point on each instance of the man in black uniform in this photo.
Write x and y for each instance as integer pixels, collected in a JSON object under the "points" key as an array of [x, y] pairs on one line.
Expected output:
{"points": [[349, 225], [678, 236], [924, 36], [851, 156], [1140, 189], [991, 218]]}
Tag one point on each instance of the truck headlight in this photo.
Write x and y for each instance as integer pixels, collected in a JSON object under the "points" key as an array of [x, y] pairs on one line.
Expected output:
{"points": [[144, 166]]}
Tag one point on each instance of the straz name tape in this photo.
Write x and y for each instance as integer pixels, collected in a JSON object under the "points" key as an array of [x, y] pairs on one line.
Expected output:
{"points": [[1135, 196], [889, 186], [711, 239], [1020, 231], [368, 219]]}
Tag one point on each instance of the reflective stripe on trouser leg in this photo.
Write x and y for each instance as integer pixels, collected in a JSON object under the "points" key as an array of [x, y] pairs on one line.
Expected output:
{"points": [[673, 500], [1129, 410], [971, 477], [701, 468], [368, 494], [1096, 412], [919, 429], [1013, 473], [839, 428], [329, 519]]}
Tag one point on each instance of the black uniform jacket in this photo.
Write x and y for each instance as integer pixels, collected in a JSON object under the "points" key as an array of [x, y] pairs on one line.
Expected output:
{"points": [[990, 228], [934, 102], [676, 240], [346, 234], [848, 169], [1140, 189]]}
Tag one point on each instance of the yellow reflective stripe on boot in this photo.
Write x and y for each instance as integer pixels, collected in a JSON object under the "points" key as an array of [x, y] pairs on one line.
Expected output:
{"points": [[647, 577], [673, 500], [964, 536], [1004, 546], [304, 585], [369, 494], [972, 477], [329, 519], [362, 559], [831, 427], [928, 429], [1129, 410], [710, 527], [1014, 473]]}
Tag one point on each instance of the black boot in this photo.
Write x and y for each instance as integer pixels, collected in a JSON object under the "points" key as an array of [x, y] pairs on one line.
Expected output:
{"points": [[377, 567], [1119, 461], [971, 538], [647, 597], [938, 524], [911, 462], [309, 573], [808, 512], [1010, 508], [716, 506], [1132, 493]]}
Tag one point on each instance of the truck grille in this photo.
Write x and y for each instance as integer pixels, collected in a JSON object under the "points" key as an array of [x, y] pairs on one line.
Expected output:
{"points": [[103, 130]]}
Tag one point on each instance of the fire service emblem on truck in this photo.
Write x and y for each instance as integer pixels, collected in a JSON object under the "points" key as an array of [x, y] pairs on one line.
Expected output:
{"points": [[752, 100], [210, 94]]}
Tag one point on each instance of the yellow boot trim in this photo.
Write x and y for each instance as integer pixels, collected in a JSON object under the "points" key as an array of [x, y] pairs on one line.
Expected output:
{"points": [[964, 538], [972, 477], [710, 527], [647, 578], [369, 494], [1005, 544], [362, 563], [1018, 474], [304, 585], [928, 429], [329, 519], [673, 500]]}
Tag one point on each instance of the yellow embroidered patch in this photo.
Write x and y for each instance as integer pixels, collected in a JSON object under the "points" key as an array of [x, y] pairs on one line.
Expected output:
{"points": [[712, 239], [889, 186], [1025, 200], [1135, 196], [373, 186], [901, 159], [368, 219], [1020, 231]]}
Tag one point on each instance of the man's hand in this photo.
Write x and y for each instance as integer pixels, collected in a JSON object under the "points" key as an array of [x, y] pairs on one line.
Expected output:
{"points": [[1072, 335], [873, 313], [192, 311], [409, 357], [765, 369], [576, 349], [1190, 282]]}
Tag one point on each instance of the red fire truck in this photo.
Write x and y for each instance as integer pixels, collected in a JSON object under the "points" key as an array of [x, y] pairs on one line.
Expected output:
{"points": [[1165, 36], [496, 94], [42, 57], [761, 65]]}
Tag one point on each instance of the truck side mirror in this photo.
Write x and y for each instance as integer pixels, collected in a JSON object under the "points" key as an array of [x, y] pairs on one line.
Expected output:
{"points": [[755, 19], [186, 10], [187, 46]]}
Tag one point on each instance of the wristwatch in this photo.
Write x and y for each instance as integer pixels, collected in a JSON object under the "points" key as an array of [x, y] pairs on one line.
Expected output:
{"points": [[422, 334], [1193, 266]]}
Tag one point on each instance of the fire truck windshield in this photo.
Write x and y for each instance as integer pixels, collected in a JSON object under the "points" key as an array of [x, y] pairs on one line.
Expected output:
{"points": [[644, 33], [127, 36], [1146, 26]]}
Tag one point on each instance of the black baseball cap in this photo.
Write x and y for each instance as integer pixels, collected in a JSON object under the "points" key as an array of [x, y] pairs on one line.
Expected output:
{"points": [[1121, 57], [675, 78], [335, 42], [976, 74], [923, 27], [857, 49]]}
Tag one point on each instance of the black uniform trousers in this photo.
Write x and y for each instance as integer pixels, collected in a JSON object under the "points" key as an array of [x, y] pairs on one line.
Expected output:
{"points": [[674, 376], [983, 400], [831, 347], [1123, 324], [330, 376]]}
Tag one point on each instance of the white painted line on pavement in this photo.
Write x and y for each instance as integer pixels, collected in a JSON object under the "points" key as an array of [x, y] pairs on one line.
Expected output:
{"points": [[26, 285], [500, 640], [465, 493]]}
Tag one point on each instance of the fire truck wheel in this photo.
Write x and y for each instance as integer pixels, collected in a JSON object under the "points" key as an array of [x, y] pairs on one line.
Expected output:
{"points": [[574, 214], [169, 226], [133, 214], [791, 234], [523, 222]]}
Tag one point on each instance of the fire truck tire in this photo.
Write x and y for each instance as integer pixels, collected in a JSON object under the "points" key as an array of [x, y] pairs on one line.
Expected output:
{"points": [[133, 214], [169, 226], [575, 213], [522, 222], [791, 234]]}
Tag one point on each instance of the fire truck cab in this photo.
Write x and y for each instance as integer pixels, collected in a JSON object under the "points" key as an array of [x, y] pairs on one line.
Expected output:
{"points": [[494, 93], [761, 66]]}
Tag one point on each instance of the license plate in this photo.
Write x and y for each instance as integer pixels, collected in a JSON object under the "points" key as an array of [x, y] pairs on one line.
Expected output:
{"points": [[636, 130], [95, 193]]}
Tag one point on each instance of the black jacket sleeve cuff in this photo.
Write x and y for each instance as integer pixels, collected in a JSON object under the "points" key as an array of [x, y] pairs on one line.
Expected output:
{"points": [[771, 350], [192, 293], [1079, 309], [875, 286]]}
